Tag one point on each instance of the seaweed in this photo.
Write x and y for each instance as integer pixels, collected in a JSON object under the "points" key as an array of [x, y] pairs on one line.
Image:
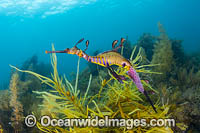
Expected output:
{"points": [[1, 129], [18, 100], [5, 110], [114, 100], [185, 79], [193, 61], [178, 52], [185, 107], [17, 114], [163, 55]]}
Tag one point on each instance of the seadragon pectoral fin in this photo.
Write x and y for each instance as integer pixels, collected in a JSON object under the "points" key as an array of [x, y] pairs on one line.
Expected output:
{"points": [[120, 78]]}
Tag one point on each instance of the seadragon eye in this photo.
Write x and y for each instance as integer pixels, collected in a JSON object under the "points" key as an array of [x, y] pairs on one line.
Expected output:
{"points": [[124, 64]]}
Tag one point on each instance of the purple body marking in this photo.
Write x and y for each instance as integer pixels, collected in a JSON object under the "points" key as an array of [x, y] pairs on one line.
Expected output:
{"points": [[99, 60], [103, 61]]}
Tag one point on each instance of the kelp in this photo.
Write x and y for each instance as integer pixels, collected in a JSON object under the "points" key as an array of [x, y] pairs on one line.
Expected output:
{"points": [[114, 100]]}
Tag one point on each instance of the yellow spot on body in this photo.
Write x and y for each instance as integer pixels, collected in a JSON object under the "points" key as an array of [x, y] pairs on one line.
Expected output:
{"points": [[80, 54]]}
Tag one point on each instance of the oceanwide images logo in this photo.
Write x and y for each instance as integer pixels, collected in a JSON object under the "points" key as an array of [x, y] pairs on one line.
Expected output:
{"points": [[92, 122], [46, 121]]}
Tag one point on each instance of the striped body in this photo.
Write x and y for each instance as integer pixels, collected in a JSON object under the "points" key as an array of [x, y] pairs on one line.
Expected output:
{"points": [[107, 59]]}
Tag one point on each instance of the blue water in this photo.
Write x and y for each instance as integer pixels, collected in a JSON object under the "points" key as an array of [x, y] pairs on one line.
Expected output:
{"points": [[30, 27]]}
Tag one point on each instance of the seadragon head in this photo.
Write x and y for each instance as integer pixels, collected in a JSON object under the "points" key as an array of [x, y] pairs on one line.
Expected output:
{"points": [[73, 50]]}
